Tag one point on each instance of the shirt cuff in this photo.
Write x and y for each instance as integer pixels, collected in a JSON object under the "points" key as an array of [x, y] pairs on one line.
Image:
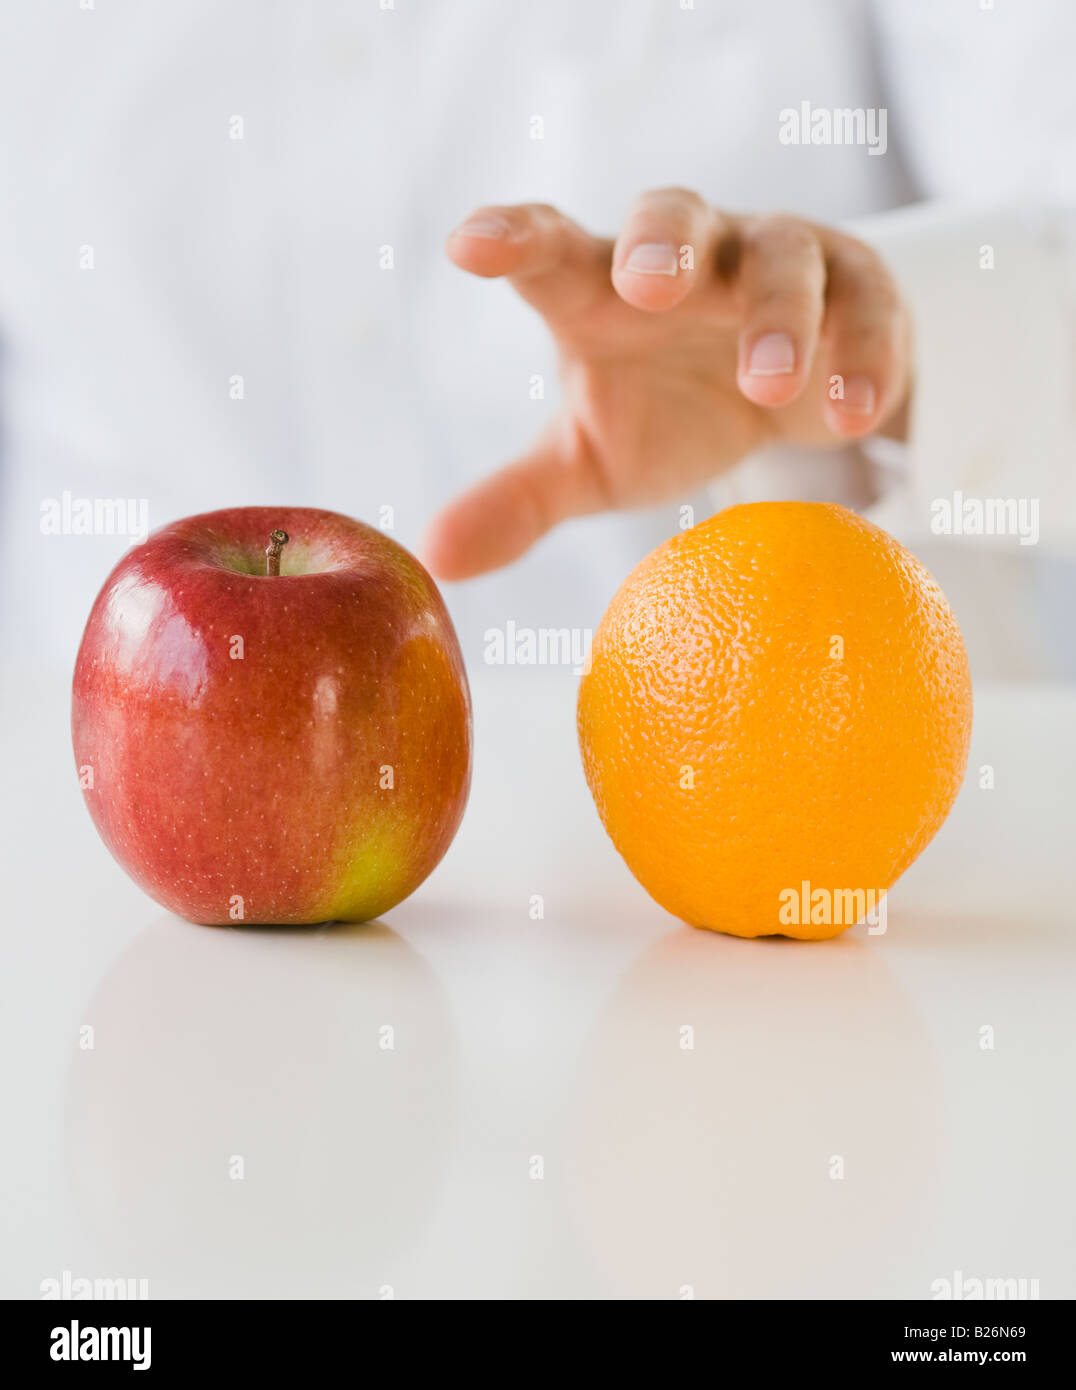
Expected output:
{"points": [[991, 294]]}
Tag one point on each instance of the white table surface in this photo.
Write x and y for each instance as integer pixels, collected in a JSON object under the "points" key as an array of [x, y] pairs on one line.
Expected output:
{"points": [[663, 1168]]}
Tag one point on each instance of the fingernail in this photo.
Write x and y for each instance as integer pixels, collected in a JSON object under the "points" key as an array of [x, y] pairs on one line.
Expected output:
{"points": [[858, 396], [487, 227], [653, 258], [773, 355]]}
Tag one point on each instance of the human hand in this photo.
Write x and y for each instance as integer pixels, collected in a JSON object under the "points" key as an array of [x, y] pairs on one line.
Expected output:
{"points": [[693, 339]]}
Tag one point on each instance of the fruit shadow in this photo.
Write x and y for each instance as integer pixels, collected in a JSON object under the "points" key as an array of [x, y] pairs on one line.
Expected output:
{"points": [[265, 1111], [754, 1118]]}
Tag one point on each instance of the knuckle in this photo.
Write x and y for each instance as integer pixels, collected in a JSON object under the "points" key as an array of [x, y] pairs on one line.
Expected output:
{"points": [[780, 234], [858, 273], [790, 300], [519, 217], [788, 236], [868, 340], [673, 199], [542, 216], [881, 290]]}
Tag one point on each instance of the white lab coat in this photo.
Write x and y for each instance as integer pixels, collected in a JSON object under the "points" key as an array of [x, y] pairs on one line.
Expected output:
{"points": [[222, 278]]}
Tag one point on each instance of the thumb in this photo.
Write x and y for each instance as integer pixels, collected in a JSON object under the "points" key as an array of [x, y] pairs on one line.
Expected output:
{"points": [[499, 518]]}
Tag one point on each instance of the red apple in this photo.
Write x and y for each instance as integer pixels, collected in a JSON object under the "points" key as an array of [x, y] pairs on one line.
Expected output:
{"points": [[272, 730]]}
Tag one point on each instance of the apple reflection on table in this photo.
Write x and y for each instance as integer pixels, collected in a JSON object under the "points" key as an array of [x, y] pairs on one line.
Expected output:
{"points": [[264, 1112]]}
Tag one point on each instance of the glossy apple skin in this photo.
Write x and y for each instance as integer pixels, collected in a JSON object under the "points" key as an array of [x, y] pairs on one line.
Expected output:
{"points": [[256, 787]]}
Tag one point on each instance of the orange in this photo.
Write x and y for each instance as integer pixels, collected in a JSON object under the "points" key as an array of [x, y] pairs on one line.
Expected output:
{"points": [[775, 721]]}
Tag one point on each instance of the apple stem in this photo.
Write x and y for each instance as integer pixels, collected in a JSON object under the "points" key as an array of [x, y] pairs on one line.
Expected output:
{"points": [[277, 541]]}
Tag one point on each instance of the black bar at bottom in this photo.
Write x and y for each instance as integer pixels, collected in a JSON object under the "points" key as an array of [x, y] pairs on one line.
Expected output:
{"points": [[176, 1340]]}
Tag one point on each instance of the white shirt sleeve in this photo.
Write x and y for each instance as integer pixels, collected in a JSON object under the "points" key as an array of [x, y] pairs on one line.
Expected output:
{"points": [[982, 113], [991, 293]]}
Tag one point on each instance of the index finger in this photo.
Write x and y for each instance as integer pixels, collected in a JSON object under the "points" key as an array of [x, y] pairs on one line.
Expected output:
{"points": [[550, 260]]}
